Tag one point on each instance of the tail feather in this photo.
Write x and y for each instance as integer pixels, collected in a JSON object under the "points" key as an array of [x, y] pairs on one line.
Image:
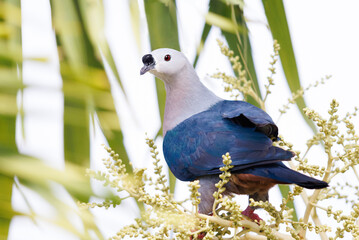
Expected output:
{"points": [[278, 171], [305, 181]]}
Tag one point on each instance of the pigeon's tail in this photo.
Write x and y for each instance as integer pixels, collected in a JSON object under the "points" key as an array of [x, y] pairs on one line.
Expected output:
{"points": [[285, 175], [303, 180]]}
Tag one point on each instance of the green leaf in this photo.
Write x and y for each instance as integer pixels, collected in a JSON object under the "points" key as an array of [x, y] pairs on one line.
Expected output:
{"points": [[76, 53], [224, 23], [92, 13], [204, 36], [35, 171], [83, 73], [136, 21], [93, 21], [275, 12], [6, 212], [162, 27], [240, 44], [87, 91], [110, 126], [234, 2], [11, 83]]}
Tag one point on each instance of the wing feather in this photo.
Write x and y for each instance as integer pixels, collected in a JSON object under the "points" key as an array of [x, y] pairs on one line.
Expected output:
{"points": [[194, 147], [247, 115]]}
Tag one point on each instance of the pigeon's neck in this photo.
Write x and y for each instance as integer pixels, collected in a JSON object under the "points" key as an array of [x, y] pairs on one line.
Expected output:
{"points": [[185, 96]]}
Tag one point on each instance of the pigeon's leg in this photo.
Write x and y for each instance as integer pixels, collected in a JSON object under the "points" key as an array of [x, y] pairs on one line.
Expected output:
{"points": [[249, 211], [207, 188]]}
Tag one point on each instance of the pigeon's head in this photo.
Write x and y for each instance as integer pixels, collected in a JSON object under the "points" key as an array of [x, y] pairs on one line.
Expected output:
{"points": [[164, 63]]}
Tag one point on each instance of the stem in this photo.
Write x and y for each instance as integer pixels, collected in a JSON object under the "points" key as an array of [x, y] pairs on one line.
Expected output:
{"points": [[218, 220], [280, 115], [240, 50], [314, 198], [257, 99], [306, 152], [320, 207], [215, 204], [248, 236], [355, 172], [317, 222], [265, 97], [315, 218]]}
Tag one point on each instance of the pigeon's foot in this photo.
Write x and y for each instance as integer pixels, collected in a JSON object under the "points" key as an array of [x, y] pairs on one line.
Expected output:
{"points": [[199, 236], [202, 234], [249, 212]]}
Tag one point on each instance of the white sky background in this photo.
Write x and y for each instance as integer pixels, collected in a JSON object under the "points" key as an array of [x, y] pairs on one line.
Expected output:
{"points": [[325, 37]]}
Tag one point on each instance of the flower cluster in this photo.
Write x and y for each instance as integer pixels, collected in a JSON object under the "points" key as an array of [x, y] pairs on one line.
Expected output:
{"points": [[237, 85], [299, 93], [274, 57]]}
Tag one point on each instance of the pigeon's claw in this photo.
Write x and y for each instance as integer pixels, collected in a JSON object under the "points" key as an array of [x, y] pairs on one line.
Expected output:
{"points": [[249, 212]]}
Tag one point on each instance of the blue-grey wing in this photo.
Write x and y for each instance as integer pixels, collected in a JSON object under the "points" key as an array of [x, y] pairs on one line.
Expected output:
{"points": [[195, 146]]}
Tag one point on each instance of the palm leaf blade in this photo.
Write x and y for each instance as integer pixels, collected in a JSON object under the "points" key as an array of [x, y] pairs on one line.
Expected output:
{"points": [[10, 18], [277, 21]]}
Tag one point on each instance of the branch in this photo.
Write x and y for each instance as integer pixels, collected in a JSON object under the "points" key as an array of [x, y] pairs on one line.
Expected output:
{"points": [[245, 224]]}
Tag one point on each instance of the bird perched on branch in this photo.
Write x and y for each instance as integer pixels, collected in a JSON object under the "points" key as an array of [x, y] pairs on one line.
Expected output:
{"points": [[199, 127]]}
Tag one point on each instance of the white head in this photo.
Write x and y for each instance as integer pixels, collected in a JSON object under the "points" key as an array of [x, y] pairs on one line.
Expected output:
{"points": [[185, 94], [164, 63]]}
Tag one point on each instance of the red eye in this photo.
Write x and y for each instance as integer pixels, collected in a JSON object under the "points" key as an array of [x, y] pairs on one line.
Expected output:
{"points": [[167, 57]]}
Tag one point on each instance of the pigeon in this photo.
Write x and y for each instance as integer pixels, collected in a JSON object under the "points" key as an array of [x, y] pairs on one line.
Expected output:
{"points": [[199, 127]]}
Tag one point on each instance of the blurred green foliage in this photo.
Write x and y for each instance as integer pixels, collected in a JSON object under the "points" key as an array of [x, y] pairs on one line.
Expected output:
{"points": [[10, 84], [83, 51]]}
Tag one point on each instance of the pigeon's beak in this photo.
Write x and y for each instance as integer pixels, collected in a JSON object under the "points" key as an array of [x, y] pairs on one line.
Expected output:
{"points": [[146, 68], [149, 63]]}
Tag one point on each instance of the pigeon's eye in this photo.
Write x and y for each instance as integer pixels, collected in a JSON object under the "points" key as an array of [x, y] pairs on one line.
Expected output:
{"points": [[167, 57]]}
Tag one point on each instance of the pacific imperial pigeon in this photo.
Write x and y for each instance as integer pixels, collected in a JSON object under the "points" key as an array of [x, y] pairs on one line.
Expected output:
{"points": [[199, 127]]}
